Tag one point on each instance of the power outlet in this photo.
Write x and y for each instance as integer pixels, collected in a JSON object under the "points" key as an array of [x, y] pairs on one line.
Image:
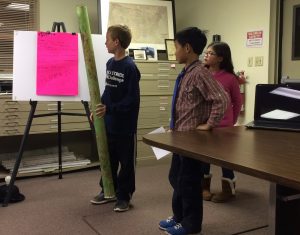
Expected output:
{"points": [[259, 60], [250, 61]]}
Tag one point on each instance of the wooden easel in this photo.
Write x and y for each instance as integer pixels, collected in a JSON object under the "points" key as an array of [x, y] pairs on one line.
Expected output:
{"points": [[55, 28]]}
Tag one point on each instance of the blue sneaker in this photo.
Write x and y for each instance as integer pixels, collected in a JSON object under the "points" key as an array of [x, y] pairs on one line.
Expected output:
{"points": [[179, 230], [176, 230], [165, 224]]}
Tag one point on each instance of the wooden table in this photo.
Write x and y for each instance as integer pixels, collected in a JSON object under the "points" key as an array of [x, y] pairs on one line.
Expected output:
{"points": [[265, 154]]}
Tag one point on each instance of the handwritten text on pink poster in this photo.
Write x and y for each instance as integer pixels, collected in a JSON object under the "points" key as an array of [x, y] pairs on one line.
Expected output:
{"points": [[57, 64]]}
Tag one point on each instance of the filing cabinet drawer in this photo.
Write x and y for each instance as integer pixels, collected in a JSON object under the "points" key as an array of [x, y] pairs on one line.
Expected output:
{"points": [[157, 87], [162, 114], [69, 119], [22, 106], [155, 101], [46, 128], [21, 118], [17, 128], [144, 150], [8, 105], [159, 67], [64, 127], [66, 106], [8, 101], [22, 122], [10, 131], [153, 123], [146, 76], [154, 111], [143, 131], [13, 106]]}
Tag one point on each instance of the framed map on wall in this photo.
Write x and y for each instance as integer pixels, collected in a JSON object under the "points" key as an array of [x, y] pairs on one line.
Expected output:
{"points": [[150, 21]]}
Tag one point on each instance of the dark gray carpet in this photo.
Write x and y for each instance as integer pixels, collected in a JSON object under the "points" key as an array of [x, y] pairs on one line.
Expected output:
{"points": [[55, 206], [152, 203]]}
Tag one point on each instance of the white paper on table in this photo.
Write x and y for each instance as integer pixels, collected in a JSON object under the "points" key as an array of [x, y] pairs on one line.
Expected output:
{"points": [[159, 153]]}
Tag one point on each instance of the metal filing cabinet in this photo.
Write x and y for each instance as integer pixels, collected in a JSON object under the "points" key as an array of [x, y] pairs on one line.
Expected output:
{"points": [[14, 117], [157, 84]]}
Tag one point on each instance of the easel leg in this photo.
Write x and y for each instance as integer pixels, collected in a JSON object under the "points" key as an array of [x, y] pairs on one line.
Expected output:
{"points": [[88, 113], [59, 139], [21, 150]]}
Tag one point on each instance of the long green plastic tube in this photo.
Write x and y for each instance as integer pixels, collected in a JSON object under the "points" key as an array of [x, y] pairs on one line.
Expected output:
{"points": [[85, 32]]}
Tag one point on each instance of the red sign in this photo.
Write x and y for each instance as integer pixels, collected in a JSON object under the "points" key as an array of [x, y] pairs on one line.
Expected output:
{"points": [[255, 39]]}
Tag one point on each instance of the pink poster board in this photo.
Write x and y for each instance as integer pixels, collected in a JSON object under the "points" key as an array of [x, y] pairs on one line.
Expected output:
{"points": [[57, 64]]}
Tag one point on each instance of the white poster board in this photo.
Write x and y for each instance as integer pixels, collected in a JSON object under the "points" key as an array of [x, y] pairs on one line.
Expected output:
{"points": [[25, 61]]}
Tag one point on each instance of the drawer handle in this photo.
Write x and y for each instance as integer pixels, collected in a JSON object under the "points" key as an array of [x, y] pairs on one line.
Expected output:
{"points": [[10, 102], [164, 84], [55, 104], [53, 109], [12, 131], [10, 124], [11, 109], [11, 116]]}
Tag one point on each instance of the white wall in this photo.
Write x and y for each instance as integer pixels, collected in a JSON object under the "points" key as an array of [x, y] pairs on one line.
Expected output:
{"points": [[65, 11], [232, 19]]}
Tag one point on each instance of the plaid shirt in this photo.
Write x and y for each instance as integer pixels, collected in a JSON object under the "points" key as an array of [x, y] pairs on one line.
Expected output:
{"points": [[201, 99]]}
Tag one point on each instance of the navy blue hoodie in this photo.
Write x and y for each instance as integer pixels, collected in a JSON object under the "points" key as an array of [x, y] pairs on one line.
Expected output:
{"points": [[121, 96]]}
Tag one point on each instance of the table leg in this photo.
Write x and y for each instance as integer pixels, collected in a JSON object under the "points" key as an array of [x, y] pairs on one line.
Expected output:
{"points": [[272, 209], [284, 210]]}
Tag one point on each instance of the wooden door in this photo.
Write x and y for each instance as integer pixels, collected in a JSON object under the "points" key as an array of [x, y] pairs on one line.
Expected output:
{"points": [[290, 66]]}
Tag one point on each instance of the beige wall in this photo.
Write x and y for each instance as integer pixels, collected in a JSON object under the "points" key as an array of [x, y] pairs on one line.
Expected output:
{"points": [[65, 11], [232, 19]]}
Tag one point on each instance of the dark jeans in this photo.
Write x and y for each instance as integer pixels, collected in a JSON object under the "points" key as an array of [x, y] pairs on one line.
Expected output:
{"points": [[185, 177], [227, 173], [122, 153]]}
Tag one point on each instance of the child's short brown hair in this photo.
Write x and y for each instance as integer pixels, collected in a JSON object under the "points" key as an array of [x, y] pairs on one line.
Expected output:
{"points": [[122, 33]]}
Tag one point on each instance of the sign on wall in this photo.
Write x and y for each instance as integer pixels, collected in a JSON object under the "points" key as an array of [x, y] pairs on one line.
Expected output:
{"points": [[254, 38]]}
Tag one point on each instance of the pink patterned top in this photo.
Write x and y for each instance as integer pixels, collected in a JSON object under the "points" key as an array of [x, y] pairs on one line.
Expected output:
{"points": [[231, 86]]}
